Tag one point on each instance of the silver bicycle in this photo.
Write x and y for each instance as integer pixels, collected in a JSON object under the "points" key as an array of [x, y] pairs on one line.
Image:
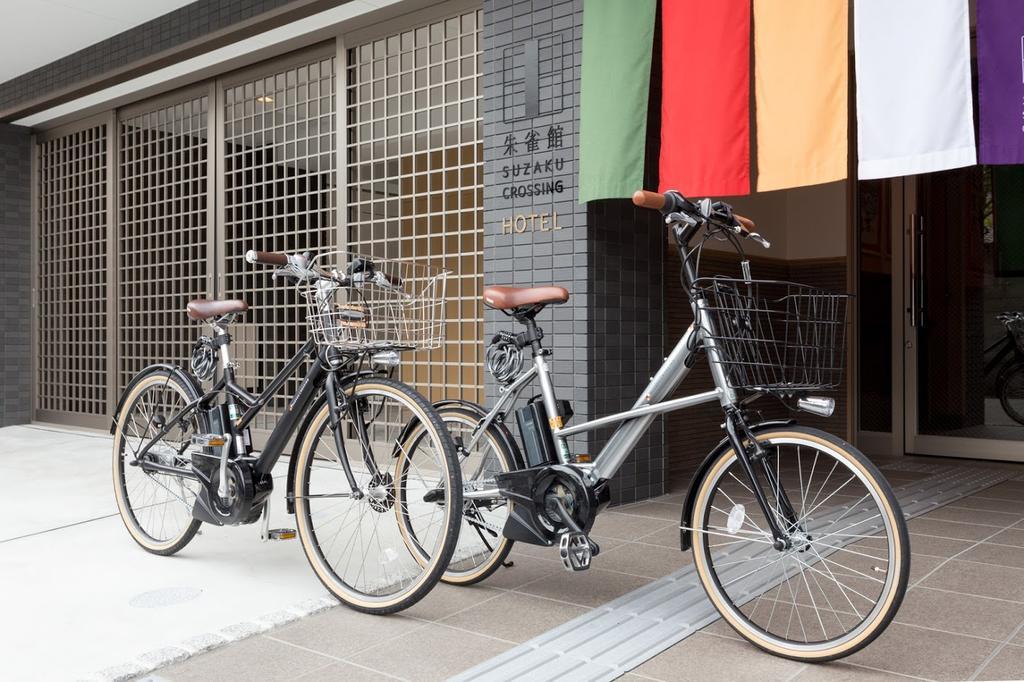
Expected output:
{"points": [[797, 538]]}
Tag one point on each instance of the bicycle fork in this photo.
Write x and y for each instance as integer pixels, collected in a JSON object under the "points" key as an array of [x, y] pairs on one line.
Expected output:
{"points": [[737, 431], [335, 409]]}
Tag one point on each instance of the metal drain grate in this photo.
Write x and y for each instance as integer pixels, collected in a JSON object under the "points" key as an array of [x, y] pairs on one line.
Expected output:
{"points": [[615, 638]]}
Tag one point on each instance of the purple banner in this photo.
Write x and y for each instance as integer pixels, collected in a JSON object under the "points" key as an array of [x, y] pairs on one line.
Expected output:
{"points": [[1001, 80]]}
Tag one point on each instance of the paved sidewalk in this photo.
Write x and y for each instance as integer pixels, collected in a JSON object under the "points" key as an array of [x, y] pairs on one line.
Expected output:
{"points": [[80, 597], [963, 617]]}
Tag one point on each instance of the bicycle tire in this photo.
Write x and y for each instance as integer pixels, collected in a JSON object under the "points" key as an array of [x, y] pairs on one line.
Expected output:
{"points": [[430, 574], [160, 378], [462, 570], [717, 576], [1011, 380]]}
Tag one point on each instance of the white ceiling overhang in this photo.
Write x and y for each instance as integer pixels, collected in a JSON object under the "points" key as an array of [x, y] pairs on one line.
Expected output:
{"points": [[316, 27], [36, 33]]}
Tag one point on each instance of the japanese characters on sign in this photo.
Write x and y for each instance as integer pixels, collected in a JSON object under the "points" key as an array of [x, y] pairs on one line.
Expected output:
{"points": [[533, 177]]}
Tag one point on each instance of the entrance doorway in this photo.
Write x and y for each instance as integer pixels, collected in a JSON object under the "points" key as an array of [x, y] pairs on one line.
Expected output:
{"points": [[942, 257]]}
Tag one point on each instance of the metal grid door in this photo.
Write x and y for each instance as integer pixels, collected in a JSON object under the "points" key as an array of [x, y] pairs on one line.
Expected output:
{"points": [[415, 177], [279, 195], [71, 269], [162, 231]]}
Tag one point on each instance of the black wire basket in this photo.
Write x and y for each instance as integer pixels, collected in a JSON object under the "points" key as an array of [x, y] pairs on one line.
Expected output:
{"points": [[774, 337]]}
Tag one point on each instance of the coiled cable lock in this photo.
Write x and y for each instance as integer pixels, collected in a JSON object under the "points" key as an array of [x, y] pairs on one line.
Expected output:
{"points": [[504, 357]]}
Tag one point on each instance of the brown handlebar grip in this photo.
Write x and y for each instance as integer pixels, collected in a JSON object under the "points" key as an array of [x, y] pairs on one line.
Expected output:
{"points": [[652, 200], [746, 223], [267, 257]]}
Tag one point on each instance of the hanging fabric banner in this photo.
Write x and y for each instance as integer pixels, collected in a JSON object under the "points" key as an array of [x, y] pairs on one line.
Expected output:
{"points": [[705, 96], [800, 86], [618, 39], [913, 70], [1001, 80]]}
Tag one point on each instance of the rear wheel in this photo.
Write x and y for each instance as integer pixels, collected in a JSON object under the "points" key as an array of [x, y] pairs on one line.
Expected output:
{"points": [[842, 574], [482, 547], [156, 507], [357, 544]]}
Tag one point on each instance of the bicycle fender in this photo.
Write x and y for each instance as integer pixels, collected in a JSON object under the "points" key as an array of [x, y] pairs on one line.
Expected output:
{"points": [[702, 470], [300, 435], [186, 377], [503, 431]]}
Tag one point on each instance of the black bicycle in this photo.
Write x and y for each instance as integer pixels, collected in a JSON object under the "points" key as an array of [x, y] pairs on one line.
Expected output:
{"points": [[378, 534], [1010, 375]]}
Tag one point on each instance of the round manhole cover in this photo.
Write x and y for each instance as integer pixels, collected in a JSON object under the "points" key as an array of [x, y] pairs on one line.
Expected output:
{"points": [[169, 596]]}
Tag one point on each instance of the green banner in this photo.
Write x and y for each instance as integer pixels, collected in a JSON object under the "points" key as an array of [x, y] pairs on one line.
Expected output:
{"points": [[618, 38]]}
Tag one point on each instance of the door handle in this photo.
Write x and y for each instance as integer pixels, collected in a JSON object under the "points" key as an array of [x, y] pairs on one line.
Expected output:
{"points": [[917, 288], [920, 282]]}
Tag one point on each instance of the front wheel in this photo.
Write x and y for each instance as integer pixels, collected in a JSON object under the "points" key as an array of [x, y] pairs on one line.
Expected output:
{"points": [[839, 577], [357, 543], [1011, 391]]}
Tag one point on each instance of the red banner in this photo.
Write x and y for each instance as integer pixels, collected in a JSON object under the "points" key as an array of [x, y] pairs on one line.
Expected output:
{"points": [[705, 97]]}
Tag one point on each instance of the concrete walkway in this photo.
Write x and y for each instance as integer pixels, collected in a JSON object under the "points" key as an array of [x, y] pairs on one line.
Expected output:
{"points": [[82, 600], [963, 617]]}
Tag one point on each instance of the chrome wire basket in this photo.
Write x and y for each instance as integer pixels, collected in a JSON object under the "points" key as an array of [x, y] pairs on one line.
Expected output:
{"points": [[775, 337], [375, 303]]}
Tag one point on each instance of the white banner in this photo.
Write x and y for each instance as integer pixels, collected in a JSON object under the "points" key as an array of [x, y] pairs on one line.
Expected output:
{"points": [[913, 70]]}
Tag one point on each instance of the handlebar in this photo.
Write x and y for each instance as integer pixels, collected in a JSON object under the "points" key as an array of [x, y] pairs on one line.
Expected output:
{"points": [[673, 202], [268, 258], [300, 267]]}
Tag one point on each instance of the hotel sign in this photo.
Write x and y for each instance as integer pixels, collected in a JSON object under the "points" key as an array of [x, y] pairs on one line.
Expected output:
{"points": [[535, 163]]}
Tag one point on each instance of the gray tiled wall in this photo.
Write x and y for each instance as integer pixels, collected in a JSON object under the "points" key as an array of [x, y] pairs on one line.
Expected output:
{"points": [[15, 258], [607, 341]]}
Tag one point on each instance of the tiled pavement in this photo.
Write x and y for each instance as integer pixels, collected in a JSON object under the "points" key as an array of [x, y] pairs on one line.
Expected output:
{"points": [[963, 617]]}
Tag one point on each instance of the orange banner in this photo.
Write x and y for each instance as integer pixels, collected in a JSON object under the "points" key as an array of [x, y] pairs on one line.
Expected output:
{"points": [[800, 85]]}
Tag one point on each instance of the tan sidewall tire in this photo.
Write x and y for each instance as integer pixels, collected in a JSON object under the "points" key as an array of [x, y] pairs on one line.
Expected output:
{"points": [[896, 589], [164, 548], [429, 577], [483, 571]]}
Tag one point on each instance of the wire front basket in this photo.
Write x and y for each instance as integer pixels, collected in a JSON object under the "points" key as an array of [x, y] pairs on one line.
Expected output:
{"points": [[774, 337], [375, 303]]}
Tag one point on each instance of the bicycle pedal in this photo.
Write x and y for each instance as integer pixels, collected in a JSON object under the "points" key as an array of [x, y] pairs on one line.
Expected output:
{"points": [[576, 551], [281, 534]]}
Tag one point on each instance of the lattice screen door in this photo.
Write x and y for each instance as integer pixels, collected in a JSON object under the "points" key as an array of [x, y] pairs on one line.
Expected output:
{"points": [[164, 217], [415, 178], [250, 161], [279, 195], [72, 315]]}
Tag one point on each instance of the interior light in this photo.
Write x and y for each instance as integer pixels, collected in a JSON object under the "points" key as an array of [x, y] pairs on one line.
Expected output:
{"points": [[265, 99]]}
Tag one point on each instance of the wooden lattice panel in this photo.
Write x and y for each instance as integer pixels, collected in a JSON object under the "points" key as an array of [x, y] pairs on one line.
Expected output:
{"points": [[279, 195], [415, 178], [72, 275], [162, 233]]}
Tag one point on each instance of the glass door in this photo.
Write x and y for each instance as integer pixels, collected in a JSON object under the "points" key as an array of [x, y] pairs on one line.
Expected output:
{"points": [[964, 264]]}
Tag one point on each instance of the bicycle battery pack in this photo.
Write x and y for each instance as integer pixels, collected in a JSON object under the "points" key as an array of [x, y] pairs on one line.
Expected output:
{"points": [[535, 430]]}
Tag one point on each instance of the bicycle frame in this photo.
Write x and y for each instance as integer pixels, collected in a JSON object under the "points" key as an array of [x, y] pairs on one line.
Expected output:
{"points": [[649, 405], [317, 378], [652, 402]]}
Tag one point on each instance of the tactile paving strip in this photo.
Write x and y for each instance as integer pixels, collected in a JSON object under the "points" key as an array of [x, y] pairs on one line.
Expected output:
{"points": [[615, 638]]}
